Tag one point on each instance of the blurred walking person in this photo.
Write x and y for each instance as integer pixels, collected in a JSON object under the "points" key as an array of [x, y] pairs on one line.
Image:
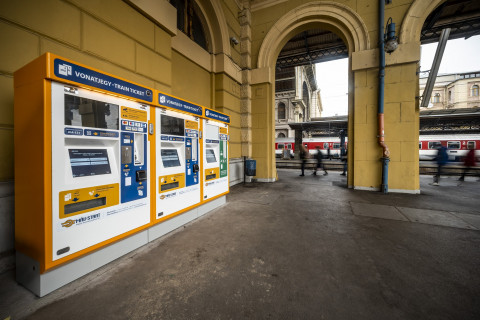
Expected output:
{"points": [[442, 159], [319, 157], [468, 163], [303, 157]]}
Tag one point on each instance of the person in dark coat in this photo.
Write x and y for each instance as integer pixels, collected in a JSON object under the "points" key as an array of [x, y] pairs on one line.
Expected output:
{"points": [[319, 157], [442, 159], [303, 157], [468, 163]]}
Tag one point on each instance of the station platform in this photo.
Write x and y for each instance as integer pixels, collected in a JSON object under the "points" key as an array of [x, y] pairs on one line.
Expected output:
{"points": [[300, 248]]}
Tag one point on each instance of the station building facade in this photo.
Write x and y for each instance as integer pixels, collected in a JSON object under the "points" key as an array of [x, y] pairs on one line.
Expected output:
{"points": [[222, 54], [454, 91], [297, 98]]}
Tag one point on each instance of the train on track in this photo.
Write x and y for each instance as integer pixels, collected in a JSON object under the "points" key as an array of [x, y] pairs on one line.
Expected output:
{"points": [[457, 146]]}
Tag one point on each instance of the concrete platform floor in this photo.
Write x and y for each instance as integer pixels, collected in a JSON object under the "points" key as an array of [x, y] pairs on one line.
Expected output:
{"points": [[300, 248]]}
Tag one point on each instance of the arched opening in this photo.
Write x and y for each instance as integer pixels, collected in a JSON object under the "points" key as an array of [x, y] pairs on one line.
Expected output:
{"points": [[449, 72], [330, 17], [191, 21]]}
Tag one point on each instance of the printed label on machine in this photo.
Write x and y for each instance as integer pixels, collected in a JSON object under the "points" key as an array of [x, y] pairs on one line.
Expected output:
{"points": [[73, 72], [133, 114], [217, 116], [134, 126], [100, 133], [178, 104]]}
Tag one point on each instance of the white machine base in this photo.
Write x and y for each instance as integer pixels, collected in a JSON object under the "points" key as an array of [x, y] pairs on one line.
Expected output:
{"points": [[28, 270]]}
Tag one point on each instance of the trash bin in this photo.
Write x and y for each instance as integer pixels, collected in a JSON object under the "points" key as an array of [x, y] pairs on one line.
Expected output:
{"points": [[250, 167]]}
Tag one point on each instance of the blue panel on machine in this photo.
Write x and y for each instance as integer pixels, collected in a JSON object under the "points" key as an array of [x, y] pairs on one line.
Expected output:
{"points": [[174, 103], [133, 171], [191, 163], [217, 116]]}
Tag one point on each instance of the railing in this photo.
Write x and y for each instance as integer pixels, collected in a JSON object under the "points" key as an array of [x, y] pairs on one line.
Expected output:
{"points": [[427, 168]]}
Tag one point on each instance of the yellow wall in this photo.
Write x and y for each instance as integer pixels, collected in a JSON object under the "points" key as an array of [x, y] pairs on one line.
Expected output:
{"points": [[112, 36], [190, 82]]}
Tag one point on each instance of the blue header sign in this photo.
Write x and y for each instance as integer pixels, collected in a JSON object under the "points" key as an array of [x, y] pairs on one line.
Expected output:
{"points": [[174, 103], [217, 116], [70, 71]]}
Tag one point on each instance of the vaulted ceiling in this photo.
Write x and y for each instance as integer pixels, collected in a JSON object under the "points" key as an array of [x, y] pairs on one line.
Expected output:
{"points": [[317, 45]]}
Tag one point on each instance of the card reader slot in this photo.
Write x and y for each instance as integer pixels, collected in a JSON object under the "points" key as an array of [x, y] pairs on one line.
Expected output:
{"points": [[210, 176], [84, 205]]}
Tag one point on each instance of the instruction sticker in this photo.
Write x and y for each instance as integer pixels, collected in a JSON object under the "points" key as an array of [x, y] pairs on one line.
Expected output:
{"points": [[134, 114]]}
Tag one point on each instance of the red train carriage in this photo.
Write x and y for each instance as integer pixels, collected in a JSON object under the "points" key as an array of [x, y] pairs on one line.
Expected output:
{"points": [[310, 144], [457, 145]]}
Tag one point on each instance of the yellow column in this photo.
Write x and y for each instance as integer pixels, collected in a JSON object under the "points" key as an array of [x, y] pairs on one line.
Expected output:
{"points": [[263, 131]]}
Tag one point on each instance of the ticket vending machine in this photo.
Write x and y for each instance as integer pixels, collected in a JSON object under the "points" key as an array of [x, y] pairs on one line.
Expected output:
{"points": [[81, 169], [177, 156], [100, 163], [100, 167], [215, 154]]}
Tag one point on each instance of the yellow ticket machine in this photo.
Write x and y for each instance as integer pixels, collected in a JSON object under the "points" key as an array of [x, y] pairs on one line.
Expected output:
{"points": [[177, 155], [81, 166], [215, 154], [103, 166]]}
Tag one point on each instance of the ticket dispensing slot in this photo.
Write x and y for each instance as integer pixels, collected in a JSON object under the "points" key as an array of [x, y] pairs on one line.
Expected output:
{"points": [[177, 164]]}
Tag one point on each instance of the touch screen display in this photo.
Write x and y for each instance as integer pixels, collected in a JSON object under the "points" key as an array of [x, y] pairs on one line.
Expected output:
{"points": [[84, 112], [211, 156], [172, 126], [89, 162], [170, 158]]}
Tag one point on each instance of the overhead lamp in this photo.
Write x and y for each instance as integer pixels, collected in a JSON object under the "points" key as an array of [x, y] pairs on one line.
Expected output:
{"points": [[391, 43]]}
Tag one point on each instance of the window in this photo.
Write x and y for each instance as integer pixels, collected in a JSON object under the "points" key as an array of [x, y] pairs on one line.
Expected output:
{"points": [[436, 98], [305, 96], [190, 21], [280, 146], [449, 95], [325, 145], [281, 135], [281, 111], [475, 91], [336, 146], [289, 146], [470, 145], [453, 145], [419, 145], [434, 144]]}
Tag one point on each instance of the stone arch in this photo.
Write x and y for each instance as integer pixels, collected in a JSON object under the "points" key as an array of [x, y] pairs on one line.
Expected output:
{"points": [[414, 19], [217, 25], [328, 15]]}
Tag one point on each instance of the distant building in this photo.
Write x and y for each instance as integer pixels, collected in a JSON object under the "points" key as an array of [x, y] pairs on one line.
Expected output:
{"points": [[454, 91], [297, 98]]}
